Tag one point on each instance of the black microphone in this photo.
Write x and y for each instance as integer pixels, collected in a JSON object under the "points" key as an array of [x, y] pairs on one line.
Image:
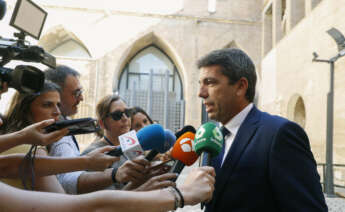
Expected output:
{"points": [[117, 152], [187, 128], [152, 154], [177, 168], [2, 9]]}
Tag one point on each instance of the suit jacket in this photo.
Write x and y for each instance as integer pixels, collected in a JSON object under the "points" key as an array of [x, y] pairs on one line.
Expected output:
{"points": [[269, 167]]}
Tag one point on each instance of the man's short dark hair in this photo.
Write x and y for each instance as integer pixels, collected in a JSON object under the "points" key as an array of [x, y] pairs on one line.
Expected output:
{"points": [[235, 64], [59, 74]]}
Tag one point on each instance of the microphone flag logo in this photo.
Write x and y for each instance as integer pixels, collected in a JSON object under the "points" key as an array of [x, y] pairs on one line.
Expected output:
{"points": [[186, 145], [200, 132], [217, 133], [130, 145], [130, 141]]}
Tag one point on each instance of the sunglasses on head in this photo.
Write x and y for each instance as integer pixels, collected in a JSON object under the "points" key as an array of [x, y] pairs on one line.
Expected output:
{"points": [[117, 115]]}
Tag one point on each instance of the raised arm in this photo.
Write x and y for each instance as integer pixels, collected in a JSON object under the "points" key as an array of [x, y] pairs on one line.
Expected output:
{"points": [[130, 170], [33, 134], [55, 165], [197, 187]]}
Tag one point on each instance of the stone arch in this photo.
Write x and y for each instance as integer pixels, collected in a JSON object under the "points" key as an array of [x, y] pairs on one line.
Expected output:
{"points": [[150, 51], [147, 40], [296, 110], [57, 35]]}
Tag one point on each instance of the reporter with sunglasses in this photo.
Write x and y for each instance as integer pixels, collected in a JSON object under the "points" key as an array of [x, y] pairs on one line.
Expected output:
{"points": [[197, 187], [80, 181], [114, 120]]}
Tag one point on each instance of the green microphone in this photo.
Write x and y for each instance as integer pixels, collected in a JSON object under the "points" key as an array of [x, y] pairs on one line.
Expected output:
{"points": [[208, 142]]}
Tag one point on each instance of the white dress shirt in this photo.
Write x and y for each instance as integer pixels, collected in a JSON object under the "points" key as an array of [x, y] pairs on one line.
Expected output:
{"points": [[233, 125]]}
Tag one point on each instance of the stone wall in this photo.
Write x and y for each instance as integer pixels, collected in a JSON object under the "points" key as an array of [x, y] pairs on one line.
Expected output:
{"points": [[288, 71]]}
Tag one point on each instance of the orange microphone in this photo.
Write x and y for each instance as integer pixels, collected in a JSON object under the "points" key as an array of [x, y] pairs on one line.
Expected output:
{"points": [[183, 152]]}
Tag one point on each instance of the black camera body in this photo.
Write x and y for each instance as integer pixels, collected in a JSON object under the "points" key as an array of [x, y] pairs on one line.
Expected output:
{"points": [[75, 126], [24, 78], [27, 79]]}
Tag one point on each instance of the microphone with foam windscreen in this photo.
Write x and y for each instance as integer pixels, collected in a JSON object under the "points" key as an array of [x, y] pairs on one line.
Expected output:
{"points": [[2, 9], [150, 137], [169, 141], [183, 152], [178, 134], [187, 128], [208, 142]]}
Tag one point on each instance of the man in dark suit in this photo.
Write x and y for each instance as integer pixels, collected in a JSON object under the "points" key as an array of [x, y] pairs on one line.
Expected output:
{"points": [[266, 163]]}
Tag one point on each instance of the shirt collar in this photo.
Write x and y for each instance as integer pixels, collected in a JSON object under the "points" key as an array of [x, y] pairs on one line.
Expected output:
{"points": [[234, 124]]}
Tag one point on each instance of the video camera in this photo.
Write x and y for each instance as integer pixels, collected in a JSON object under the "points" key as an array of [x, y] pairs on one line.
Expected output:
{"points": [[29, 19]]}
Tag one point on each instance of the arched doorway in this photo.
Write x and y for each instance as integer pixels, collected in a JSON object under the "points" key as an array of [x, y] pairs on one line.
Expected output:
{"points": [[296, 110], [151, 80], [299, 114]]}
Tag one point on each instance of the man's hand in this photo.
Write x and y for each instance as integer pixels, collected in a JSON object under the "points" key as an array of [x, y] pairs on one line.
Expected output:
{"points": [[35, 134], [199, 185], [98, 161], [133, 170]]}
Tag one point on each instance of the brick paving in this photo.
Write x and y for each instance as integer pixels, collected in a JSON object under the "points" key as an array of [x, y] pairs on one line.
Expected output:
{"points": [[335, 204]]}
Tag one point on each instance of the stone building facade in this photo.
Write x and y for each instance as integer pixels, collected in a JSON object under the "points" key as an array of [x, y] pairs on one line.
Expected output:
{"points": [[292, 84], [109, 37], [99, 38]]}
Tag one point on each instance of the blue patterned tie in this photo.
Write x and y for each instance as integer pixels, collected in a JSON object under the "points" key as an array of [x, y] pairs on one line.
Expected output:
{"points": [[219, 158]]}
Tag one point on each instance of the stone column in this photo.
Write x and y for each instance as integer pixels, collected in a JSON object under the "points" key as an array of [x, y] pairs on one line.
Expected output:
{"points": [[276, 21]]}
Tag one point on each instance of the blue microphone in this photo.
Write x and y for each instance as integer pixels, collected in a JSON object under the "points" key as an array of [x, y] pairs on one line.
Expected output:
{"points": [[161, 146], [170, 140], [151, 137]]}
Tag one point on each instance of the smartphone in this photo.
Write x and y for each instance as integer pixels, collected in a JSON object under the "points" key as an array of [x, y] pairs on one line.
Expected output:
{"points": [[159, 164], [75, 126]]}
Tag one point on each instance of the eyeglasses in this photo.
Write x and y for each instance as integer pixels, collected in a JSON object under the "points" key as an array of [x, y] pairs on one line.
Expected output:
{"points": [[117, 115], [78, 93]]}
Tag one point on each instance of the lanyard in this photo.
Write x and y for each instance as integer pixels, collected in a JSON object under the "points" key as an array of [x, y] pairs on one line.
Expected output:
{"points": [[107, 140]]}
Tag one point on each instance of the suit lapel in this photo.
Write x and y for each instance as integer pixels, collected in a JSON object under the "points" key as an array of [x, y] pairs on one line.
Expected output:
{"points": [[243, 136]]}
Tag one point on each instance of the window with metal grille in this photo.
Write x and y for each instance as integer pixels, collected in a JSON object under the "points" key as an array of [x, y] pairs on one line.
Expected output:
{"points": [[151, 80]]}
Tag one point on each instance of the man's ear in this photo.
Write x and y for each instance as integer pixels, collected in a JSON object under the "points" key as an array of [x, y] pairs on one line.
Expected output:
{"points": [[242, 86]]}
